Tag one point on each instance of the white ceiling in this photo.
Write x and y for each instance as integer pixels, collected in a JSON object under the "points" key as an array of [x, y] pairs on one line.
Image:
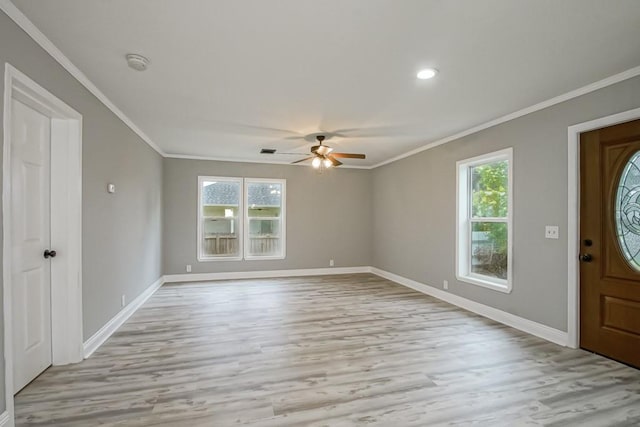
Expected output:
{"points": [[230, 77]]}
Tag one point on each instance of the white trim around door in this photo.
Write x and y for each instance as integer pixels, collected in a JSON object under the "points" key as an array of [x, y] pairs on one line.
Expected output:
{"points": [[573, 219], [66, 222]]}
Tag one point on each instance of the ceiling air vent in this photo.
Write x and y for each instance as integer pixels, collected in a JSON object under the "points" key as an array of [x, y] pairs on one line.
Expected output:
{"points": [[268, 151]]}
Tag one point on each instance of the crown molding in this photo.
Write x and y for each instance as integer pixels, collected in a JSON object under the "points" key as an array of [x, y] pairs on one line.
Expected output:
{"points": [[616, 78], [29, 27]]}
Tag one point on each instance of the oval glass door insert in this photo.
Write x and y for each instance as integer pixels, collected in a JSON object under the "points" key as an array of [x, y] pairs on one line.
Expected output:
{"points": [[627, 212]]}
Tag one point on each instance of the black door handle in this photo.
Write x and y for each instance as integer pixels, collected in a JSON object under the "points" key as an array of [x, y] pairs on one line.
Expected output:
{"points": [[585, 257], [49, 254]]}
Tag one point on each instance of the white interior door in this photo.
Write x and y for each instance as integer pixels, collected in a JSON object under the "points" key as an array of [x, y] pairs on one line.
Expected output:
{"points": [[31, 235]]}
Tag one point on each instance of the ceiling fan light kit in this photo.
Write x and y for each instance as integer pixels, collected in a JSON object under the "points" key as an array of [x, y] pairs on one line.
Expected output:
{"points": [[322, 156]]}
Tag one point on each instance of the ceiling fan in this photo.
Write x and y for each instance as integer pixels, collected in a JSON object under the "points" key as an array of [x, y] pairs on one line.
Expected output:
{"points": [[323, 155]]}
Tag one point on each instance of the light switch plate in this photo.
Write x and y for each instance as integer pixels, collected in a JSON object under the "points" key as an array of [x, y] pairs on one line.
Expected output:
{"points": [[551, 232], [111, 188]]}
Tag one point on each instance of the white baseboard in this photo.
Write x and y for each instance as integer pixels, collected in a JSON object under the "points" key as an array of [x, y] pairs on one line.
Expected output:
{"points": [[197, 277], [97, 339], [5, 419], [534, 328]]}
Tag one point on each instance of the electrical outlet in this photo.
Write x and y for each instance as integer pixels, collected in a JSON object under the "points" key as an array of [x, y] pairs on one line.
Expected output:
{"points": [[445, 284], [188, 268], [123, 300], [331, 263], [551, 232]]}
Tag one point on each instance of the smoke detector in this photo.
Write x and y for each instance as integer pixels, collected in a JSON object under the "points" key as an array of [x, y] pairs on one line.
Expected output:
{"points": [[137, 62]]}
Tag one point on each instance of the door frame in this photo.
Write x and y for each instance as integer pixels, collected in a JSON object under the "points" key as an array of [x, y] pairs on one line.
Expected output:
{"points": [[66, 222], [573, 219]]}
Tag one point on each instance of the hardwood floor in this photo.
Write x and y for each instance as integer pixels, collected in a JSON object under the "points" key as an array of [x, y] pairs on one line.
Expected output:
{"points": [[326, 351]]}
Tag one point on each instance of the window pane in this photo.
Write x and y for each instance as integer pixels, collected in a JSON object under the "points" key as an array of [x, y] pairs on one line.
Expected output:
{"points": [[489, 185], [220, 203], [270, 227], [264, 209], [489, 249], [627, 212], [265, 198], [264, 237]]}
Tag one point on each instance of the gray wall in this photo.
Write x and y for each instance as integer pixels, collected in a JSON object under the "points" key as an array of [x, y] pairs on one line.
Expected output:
{"points": [[328, 216], [419, 194], [121, 232]]}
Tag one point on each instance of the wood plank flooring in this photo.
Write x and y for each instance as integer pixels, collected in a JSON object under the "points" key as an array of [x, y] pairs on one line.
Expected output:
{"points": [[326, 351]]}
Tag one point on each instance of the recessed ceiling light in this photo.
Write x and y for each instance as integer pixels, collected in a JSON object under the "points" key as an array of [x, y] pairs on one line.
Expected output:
{"points": [[427, 73]]}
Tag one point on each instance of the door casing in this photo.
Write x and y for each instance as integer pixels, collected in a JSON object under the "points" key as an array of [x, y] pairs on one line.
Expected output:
{"points": [[66, 222], [573, 218]]}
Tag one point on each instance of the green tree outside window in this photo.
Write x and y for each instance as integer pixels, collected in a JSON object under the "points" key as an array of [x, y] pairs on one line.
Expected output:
{"points": [[489, 187]]}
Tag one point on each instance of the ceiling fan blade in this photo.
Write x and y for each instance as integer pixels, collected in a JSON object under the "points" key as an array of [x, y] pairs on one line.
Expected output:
{"points": [[349, 155], [302, 160], [369, 132], [234, 128], [335, 162]]}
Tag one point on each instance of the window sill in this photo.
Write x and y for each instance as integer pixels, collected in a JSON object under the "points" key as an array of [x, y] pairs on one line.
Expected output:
{"points": [[502, 286], [248, 258], [263, 258], [216, 259]]}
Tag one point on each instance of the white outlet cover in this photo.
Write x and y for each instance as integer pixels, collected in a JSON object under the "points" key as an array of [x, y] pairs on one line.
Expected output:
{"points": [[551, 232], [111, 188]]}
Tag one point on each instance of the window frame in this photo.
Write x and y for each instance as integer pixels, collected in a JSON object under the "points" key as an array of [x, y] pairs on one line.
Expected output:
{"points": [[283, 218], [464, 221], [240, 223]]}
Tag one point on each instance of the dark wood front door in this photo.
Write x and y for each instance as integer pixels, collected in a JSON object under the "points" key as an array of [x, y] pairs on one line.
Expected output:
{"points": [[610, 242]]}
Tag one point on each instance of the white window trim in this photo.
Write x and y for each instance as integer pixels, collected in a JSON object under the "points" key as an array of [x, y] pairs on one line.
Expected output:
{"points": [[201, 256], [463, 230], [283, 220]]}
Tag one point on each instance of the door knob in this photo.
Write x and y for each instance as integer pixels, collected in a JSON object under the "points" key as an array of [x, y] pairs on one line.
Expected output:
{"points": [[49, 254], [585, 257]]}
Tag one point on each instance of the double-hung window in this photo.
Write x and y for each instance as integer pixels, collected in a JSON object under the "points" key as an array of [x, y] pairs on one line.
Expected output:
{"points": [[264, 219], [219, 218], [484, 235], [240, 218]]}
